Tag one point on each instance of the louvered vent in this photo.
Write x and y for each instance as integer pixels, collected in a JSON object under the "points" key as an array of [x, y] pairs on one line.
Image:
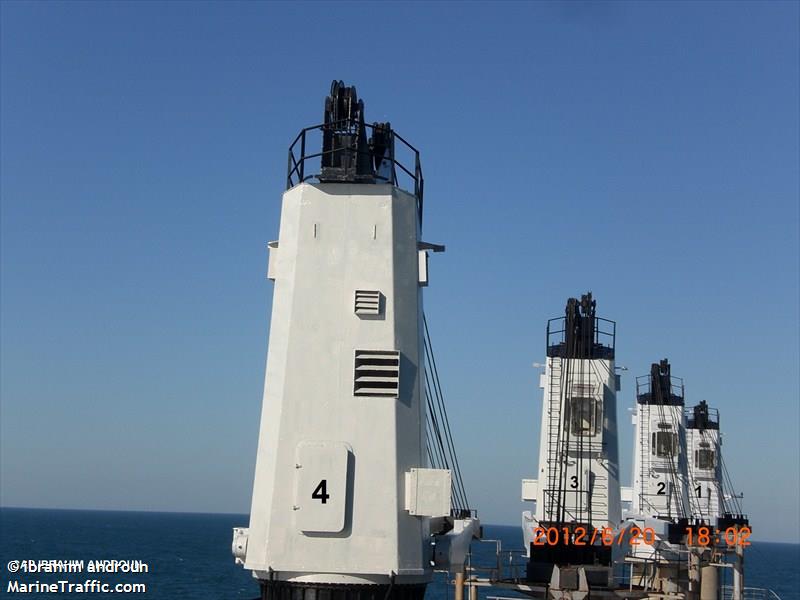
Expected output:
{"points": [[368, 302], [377, 373]]}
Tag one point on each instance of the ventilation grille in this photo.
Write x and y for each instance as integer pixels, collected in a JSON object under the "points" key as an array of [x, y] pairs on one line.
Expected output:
{"points": [[377, 373], [368, 302]]}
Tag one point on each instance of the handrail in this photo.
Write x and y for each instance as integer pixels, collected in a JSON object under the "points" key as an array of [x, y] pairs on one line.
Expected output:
{"points": [[749, 593], [504, 568], [605, 332], [644, 382], [298, 159]]}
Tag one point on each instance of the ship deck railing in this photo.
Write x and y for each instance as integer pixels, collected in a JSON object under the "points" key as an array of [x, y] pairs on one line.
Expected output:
{"points": [[507, 565], [749, 593]]}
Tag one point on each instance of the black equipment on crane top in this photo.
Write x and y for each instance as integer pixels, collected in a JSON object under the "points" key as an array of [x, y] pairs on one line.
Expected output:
{"points": [[660, 387], [582, 334], [347, 155], [702, 417], [354, 151]]}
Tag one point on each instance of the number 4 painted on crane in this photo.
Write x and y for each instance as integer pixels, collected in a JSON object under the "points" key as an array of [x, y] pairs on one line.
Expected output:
{"points": [[321, 492]]}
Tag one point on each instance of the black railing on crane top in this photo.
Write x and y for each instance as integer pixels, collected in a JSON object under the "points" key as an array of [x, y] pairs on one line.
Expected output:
{"points": [[710, 419], [304, 167], [604, 336], [644, 385]]}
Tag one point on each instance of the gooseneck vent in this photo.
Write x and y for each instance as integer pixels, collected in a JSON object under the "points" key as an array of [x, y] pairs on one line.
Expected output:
{"points": [[377, 373]]}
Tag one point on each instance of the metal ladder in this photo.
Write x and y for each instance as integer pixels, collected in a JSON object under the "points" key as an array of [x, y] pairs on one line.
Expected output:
{"points": [[644, 504], [554, 399]]}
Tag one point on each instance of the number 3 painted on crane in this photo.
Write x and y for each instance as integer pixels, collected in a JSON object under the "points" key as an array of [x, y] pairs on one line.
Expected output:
{"points": [[321, 493]]}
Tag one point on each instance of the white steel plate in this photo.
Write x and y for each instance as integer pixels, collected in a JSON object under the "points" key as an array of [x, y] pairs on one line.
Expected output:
{"points": [[428, 492]]}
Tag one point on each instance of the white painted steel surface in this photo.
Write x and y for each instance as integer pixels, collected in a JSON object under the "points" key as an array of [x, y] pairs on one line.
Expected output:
{"points": [[660, 478], [705, 473], [337, 239]]}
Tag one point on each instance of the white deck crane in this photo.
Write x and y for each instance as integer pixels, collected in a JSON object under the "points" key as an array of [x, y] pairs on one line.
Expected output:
{"points": [[343, 497], [577, 490]]}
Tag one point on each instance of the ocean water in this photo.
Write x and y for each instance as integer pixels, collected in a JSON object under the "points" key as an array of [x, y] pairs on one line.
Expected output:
{"points": [[189, 554]]}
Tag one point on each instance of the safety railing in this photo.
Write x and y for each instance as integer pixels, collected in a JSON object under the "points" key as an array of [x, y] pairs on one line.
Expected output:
{"points": [[713, 417], [605, 332], [644, 386], [305, 166], [502, 565], [749, 593]]}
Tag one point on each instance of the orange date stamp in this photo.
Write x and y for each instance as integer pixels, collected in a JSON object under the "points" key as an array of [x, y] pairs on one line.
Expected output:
{"points": [[583, 536]]}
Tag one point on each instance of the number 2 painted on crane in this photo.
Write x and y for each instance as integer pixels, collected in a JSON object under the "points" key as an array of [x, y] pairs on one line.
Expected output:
{"points": [[321, 493], [661, 486]]}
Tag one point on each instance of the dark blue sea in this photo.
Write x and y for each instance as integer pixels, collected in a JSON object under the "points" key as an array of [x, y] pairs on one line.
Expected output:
{"points": [[189, 554]]}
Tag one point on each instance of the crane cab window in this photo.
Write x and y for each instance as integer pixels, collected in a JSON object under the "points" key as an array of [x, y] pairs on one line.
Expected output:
{"points": [[704, 459], [583, 416], [665, 443]]}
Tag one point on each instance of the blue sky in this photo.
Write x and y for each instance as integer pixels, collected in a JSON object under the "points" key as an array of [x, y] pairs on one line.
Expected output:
{"points": [[647, 152]]}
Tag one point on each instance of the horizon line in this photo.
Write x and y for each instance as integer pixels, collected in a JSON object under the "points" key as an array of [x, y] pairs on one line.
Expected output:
{"points": [[235, 514]]}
